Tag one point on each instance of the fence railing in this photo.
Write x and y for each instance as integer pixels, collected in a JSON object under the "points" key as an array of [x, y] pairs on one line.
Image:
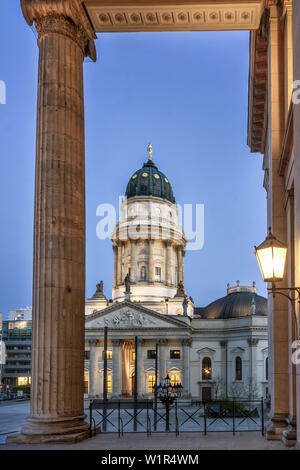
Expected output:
{"points": [[120, 416]]}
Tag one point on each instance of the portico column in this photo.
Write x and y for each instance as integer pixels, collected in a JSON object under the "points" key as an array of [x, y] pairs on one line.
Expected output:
{"points": [[252, 342], [277, 307], [65, 37], [140, 365], [94, 352], [186, 343], [162, 359], [224, 380], [116, 359]]}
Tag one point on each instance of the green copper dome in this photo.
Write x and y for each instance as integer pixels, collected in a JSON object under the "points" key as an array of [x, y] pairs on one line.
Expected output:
{"points": [[149, 181]]}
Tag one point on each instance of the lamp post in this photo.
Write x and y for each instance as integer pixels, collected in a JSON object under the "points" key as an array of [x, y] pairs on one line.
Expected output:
{"points": [[271, 257], [167, 393]]}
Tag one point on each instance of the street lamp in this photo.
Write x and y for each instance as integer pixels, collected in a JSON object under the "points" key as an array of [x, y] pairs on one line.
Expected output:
{"points": [[271, 257], [167, 393]]}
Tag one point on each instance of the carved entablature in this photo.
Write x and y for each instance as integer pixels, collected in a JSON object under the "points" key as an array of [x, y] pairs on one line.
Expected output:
{"points": [[122, 15], [258, 86], [66, 17]]}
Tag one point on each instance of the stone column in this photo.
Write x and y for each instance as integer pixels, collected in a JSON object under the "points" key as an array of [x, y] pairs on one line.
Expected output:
{"points": [[116, 359], [224, 378], [168, 263], [180, 264], [115, 248], [162, 359], [93, 372], [278, 311], [65, 37], [252, 342], [133, 275], [151, 266], [119, 263], [126, 385], [140, 365], [186, 344], [296, 63]]}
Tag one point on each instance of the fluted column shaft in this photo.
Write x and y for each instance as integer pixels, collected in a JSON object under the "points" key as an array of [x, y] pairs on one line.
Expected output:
{"points": [[140, 366], [133, 274], [59, 224], [162, 359], [151, 261], [180, 264], [116, 367], [94, 351], [186, 343], [119, 269], [168, 264], [115, 248]]}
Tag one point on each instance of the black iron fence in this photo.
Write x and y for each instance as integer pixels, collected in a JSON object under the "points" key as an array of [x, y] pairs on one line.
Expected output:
{"points": [[120, 416]]}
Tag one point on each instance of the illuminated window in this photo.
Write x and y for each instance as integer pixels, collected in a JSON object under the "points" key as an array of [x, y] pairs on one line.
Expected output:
{"points": [[86, 383], [175, 380], [133, 356], [206, 368], [109, 384], [151, 383], [175, 354], [157, 273], [238, 368], [23, 380], [108, 354]]}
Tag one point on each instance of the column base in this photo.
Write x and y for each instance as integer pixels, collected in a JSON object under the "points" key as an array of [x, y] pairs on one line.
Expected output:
{"points": [[289, 435], [275, 427], [61, 430]]}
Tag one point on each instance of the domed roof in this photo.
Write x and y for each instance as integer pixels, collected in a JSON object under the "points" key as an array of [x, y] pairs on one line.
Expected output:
{"points": [[149, 181], [239, 302]]}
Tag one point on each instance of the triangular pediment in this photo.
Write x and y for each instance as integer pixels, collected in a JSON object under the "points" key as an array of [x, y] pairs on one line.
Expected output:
{"points": [[126, 315]]}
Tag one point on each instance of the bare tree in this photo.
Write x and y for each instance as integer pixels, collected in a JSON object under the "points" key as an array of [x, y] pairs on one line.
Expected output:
{"points": [[219, 387]]}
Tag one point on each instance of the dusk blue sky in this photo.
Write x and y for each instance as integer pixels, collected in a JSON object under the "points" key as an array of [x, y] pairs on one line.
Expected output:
{"points": [[186, 93]]}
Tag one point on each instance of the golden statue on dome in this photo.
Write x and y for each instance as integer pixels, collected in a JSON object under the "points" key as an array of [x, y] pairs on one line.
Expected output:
{"points": [[150, 151]]}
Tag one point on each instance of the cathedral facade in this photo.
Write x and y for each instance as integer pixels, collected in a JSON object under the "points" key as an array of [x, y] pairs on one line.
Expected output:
{"points": [[216, 351]]}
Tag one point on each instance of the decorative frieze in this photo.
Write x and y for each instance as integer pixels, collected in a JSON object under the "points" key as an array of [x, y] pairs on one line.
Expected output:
{"points": [[194, 16]]}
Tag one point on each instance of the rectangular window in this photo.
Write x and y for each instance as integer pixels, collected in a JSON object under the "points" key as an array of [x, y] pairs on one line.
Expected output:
{"points": [[151, 354], [108, 354], [158, 273], [109, 384], [151, 383], [175, 354]]}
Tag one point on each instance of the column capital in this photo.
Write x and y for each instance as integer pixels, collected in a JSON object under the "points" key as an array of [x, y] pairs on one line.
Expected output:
{"points": [[65, 17], [116, 342], [186, 342], [162, 341], [252, 341], [92, 342]]}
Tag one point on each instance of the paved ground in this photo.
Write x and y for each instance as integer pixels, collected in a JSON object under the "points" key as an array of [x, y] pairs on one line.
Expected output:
{"points": [[13, 417], [164, 441]]}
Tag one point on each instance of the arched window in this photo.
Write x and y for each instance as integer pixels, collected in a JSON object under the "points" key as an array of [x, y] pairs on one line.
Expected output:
{"points": [[238, 368], [267, 368], [143, 273], [206, 368]]}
